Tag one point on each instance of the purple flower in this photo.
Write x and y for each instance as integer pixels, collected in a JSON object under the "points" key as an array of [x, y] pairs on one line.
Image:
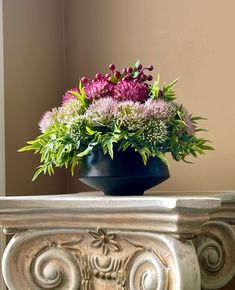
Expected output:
{"points": [[158, 109], [68, 96], [130, 90], [99, 88]]}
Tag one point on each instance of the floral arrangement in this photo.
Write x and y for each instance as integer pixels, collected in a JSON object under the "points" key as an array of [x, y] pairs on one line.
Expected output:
{"points": [[121, 108]]}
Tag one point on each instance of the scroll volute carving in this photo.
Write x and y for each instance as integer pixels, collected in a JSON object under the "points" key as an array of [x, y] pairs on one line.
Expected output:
{"points": [[216, 254], [72, 260]]}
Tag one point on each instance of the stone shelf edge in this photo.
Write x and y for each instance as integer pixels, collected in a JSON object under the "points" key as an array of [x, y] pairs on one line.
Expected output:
{"points": [[126, 243]]}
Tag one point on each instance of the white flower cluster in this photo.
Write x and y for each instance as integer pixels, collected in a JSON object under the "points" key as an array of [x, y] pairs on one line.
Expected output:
{"points": [[155, 133]]}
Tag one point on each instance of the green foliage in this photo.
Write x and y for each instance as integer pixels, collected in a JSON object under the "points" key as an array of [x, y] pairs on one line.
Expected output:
{"points": [[180, 142], [81, 96], [155, 88], [166, 92]]}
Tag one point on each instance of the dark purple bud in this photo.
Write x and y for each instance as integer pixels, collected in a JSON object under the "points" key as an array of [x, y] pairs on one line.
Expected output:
{"points": [[117, 74], [129, 70], [149, 78], [84, 80], [161, 94], [98, 76], [127, 78], [143, 78], [150, 67], [112, 67], [139, 66], [107, 76]]}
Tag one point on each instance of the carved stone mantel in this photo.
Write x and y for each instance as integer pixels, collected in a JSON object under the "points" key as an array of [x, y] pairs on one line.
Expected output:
{"points": [[89, 242]]}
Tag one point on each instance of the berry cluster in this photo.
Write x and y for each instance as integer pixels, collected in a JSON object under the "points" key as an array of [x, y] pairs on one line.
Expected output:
{"points": [[137, 74]]}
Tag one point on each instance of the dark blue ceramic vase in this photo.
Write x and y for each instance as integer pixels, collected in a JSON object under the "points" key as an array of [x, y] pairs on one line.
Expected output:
{"points": [[125, 174]]}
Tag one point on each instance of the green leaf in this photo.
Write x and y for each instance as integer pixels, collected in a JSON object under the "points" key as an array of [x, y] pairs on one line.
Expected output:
{"points": [[156, 88], [135, 74], [39, 171], [137, 63], [197, 118], [90, 131], [110, 149], [172, 84]]}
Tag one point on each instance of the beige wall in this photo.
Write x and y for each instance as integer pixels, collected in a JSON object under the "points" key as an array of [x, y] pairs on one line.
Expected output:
{"points": [[191, 39], [34, 82]]}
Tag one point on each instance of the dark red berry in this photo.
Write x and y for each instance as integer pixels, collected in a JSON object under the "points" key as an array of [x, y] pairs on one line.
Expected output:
{"points": [[107, 76], [112, 67], [117, 74], [84, 80], [161, 94], [98, 76], [129, 70], [139, 66], [143, 78], [149, 78], [127, 78], [150, 67]]}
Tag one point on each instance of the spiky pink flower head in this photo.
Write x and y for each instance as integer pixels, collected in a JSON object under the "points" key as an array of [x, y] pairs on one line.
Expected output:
{"points": [[158, 109], [68, 96], [101, 112], [45, 121], [99, 88], [187, 119], [130, 90]]}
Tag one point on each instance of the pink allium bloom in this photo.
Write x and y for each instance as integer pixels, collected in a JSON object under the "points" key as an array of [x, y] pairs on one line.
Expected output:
{"points": [[102, 111], [98, 88], [130, 90], [68, 96], [158, 109], [68, 111], [45, 121], [188, 122]]}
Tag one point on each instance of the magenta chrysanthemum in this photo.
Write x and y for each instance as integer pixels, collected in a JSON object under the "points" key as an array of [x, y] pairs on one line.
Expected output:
{"points": [[99, 88], [158, 109], [68, 96], [101, 112], [130, 90]]}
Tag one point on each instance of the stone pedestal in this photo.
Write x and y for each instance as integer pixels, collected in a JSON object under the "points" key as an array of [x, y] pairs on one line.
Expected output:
{"points": [[139, 243]]}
